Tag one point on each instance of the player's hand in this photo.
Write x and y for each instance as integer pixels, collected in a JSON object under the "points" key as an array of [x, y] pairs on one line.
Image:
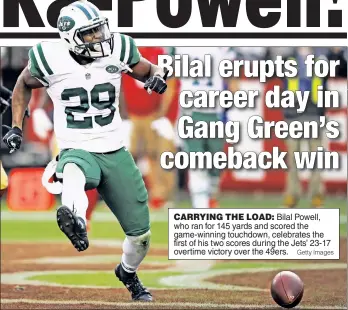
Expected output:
{"points": [[13, 138], [164, 128], [157, 84]]}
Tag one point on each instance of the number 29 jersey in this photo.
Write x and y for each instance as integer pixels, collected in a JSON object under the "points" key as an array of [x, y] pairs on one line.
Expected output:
{"points": [[85, 97]]}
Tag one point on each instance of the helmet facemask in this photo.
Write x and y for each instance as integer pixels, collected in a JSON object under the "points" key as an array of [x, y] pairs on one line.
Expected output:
{"points": [[94, 41]]}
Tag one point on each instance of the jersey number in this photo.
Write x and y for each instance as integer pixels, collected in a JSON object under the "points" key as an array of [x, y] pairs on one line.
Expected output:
{"points": [[95, 101]]}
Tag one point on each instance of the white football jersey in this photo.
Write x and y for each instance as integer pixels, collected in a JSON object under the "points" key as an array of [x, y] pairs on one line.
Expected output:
{"points": [[85, 97], [215, 82]]}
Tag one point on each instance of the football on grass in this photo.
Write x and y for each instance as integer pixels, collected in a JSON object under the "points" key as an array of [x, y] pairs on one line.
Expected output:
{"points": [[287, 289]]}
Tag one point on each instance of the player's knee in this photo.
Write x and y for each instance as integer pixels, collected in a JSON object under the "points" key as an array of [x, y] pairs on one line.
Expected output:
{"points": [[141, 241]]}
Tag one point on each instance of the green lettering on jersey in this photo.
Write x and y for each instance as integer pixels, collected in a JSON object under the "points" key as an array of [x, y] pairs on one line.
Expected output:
{"points": [[102, 105], [87, 122]]}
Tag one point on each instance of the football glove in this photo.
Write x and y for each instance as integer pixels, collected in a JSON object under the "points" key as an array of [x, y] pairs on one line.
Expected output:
{"points": [[13, 138], [156, 83]]}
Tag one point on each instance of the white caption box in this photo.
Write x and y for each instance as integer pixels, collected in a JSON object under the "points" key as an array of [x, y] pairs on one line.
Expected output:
{"points": [[253, 234]]}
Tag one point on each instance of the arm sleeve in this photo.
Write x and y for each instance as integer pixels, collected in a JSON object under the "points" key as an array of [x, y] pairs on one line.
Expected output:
{"points": [[129, 51], [38, 65]]}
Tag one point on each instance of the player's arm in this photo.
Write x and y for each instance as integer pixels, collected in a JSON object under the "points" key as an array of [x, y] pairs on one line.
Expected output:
{"points": [[152, 75], [142, 69], [20, 100], [21, 96], [35, 75]]}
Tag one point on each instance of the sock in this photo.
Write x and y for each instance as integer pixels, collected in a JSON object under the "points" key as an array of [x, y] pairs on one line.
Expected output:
{"points": [[134, 251], [73, 194], [199, 188]]}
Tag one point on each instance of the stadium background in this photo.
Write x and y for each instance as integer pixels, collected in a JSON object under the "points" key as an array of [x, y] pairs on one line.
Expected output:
{"points": [[41, 270]]}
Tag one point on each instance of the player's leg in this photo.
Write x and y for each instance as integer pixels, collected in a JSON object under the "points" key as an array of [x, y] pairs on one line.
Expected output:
{"points": [[79, 171], [92, 195], [214, 145], [293, 184], [3, 180], [152, 142], [123, 190], [198, 180], [316, 187], [167, 177], [136, 134]]}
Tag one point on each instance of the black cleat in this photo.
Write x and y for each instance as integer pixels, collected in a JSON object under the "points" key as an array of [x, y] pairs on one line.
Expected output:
{"points": [[73, 227], [133, 284]]}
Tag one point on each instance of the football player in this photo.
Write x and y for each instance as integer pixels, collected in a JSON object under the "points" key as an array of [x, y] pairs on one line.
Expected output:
{"points": [[82, 75]]}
